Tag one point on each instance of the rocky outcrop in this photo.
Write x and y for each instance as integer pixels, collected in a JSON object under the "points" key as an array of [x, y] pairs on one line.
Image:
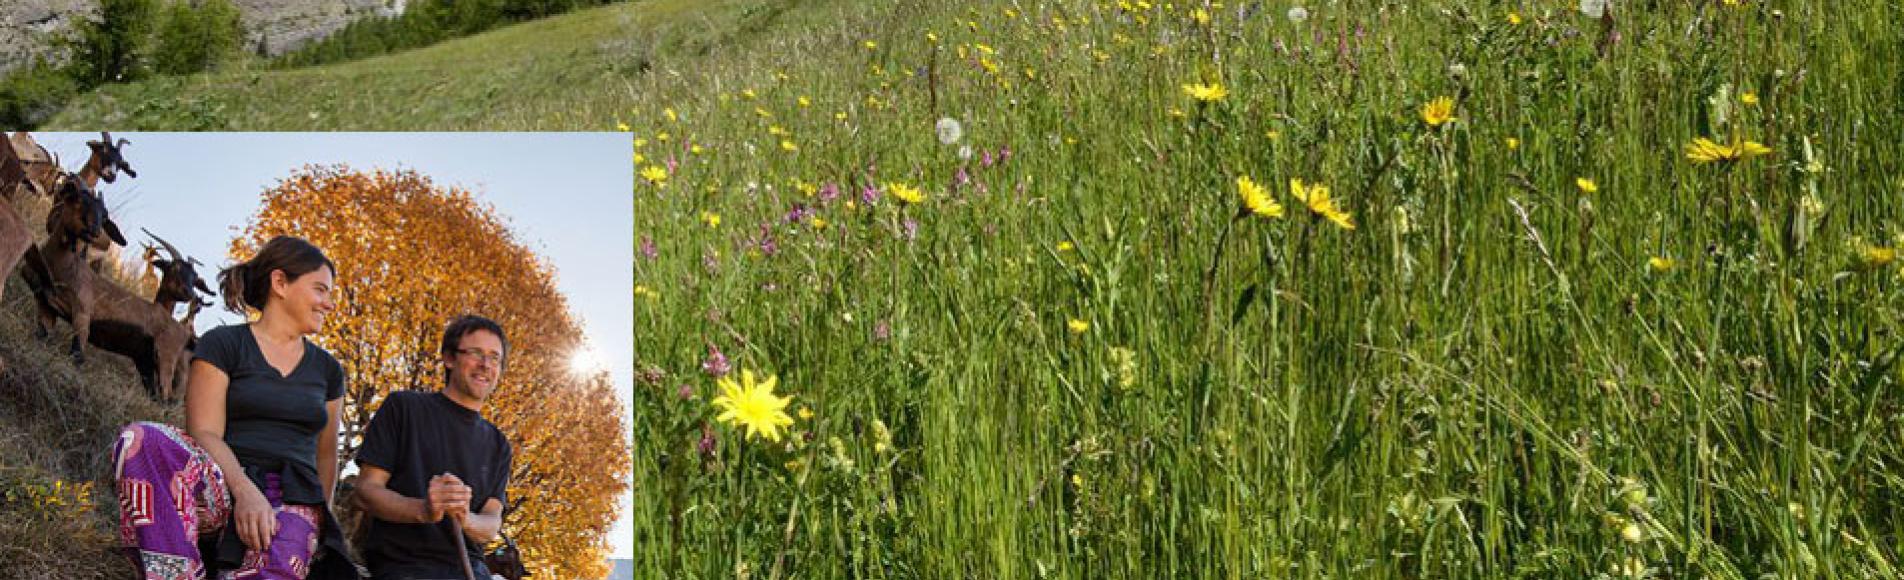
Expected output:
{"points": [[27, 27]]}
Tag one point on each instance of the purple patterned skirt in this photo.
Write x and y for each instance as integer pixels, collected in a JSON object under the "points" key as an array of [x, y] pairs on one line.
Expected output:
{"points": [[171, 493]]}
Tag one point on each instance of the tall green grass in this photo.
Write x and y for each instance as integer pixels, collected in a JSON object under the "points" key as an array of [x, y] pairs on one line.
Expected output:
{"points": [[1487, 377]]}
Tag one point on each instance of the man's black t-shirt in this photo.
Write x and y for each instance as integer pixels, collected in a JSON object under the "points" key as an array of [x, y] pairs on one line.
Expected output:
{"points": [[416, 436]]}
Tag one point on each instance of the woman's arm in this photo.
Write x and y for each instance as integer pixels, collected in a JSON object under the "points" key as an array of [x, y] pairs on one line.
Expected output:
{"points": [[205, 423], [327, 449]]}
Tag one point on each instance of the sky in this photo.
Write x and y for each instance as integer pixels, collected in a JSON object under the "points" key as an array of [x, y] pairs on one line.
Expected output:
{"points": [[564, 195]]}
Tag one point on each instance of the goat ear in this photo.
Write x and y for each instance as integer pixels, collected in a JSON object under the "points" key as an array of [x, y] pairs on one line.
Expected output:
{"points": [[112, 231]]}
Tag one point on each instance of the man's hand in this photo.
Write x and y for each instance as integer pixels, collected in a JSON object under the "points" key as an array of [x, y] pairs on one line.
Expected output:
{"points": [[447, 497]]}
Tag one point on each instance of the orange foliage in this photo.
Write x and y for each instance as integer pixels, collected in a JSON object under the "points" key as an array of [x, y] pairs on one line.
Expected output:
{"points": [[410, 256]]}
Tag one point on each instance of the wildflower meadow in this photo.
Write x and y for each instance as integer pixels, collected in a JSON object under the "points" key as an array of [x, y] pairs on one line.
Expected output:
{"points": [[1264, 289]]}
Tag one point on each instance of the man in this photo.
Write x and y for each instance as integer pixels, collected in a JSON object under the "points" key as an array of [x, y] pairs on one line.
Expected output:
{"points": [[430, 464]]}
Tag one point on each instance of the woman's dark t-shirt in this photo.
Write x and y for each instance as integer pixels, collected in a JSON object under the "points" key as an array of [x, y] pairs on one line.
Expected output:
{"points": [[271, 419], [416, 436]]}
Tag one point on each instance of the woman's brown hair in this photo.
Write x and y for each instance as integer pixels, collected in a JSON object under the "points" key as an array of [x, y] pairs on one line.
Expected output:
{"points": [[248, 283]]}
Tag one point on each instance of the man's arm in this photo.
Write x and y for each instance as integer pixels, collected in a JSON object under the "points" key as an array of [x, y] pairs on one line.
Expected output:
{"points": [[482, 527], [374, 493]]}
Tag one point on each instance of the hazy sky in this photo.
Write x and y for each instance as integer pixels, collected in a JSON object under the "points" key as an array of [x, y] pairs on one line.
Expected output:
{"points": [[565, 195]]}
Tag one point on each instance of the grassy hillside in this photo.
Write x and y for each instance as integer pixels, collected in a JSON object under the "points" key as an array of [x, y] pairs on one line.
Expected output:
{"points": [[58, 516], [1552, 345], [562, 73]]}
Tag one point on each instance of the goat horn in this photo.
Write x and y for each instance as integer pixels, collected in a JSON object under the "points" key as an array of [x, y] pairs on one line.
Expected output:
{"points": [[176, 257], [124, 142]]}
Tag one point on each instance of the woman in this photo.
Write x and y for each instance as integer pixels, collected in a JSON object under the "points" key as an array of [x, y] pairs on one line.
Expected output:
{"points": [[246, 488]]}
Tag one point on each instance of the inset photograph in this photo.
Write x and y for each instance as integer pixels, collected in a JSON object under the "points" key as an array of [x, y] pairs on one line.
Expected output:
{"points": [[315, 355]]}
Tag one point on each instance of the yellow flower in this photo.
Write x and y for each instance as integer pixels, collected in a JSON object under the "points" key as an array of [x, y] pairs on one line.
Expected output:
{"points": [[806, 413], [1207, 93], [1586, 185], [1749, 98], [696, 149], [1077, 326], [905, 193], [1661, 263], [713, 219], [1066, 246], [1438, 111], [804, 102], [670, 113], [870, 45], [753, 405], [1631, 532], [1878, 256], [1514, 18], [1705, 150], [1317, 198], [1513, 144], [655, 174], [1200, 16], [1256, 200], [622, 127], [788, 145]]}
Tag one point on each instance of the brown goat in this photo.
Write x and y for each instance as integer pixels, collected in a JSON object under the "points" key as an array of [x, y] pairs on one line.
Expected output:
{"points": [[24, 163], [103, 314]]}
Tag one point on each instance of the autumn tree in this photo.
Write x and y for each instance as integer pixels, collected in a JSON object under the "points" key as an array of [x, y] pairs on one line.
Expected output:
{"points": [[411, 255]]}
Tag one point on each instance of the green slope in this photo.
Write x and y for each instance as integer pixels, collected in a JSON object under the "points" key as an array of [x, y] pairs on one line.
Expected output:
{"points": [[566, 72]]}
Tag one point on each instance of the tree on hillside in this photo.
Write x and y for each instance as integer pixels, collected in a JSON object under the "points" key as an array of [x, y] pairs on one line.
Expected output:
{"points": [[108, 49], [410, 255]]}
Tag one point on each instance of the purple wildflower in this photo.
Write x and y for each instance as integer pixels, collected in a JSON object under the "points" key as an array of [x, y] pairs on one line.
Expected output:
{"points": [[716, 364]]}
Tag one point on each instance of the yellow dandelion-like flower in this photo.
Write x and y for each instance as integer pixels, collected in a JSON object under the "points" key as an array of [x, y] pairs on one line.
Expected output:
{"points": [[712, 219], [1586, 185], [1316, 197], [1875, 257], [1513, 144], [655, 174], [870, 45], [788, 145], [1066, 246], [753, 405], [669, 112], [1514, 18], [622, 127], [1704, 150], [803, 102], [1257, 200], [1749, 98], [905, 193], [806, 413], [1661, 263], [1438, 112], [1206, 93], [1077, 326]]}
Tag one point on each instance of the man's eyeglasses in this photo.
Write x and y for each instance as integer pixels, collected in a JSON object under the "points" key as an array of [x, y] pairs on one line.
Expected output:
{"points": [[487, 357]]}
